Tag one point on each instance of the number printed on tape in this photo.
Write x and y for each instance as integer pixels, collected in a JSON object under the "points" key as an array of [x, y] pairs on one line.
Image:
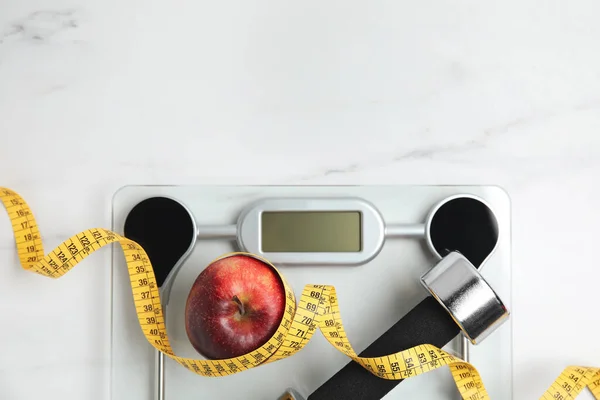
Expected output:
{"points": [[316, 309]]}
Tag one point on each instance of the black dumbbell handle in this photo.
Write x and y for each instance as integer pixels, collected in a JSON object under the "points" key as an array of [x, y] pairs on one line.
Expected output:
{"points": [[426, 323]]}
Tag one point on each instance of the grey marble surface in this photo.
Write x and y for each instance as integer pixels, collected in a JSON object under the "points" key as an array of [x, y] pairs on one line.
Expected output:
{"points": [[98, 94]]}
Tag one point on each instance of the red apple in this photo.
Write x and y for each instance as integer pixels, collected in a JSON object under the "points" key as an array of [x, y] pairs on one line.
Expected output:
{"points": [[235, 305]]}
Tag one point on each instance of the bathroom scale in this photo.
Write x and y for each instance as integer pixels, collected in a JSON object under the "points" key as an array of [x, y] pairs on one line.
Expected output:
{"points": [[374, 244]]}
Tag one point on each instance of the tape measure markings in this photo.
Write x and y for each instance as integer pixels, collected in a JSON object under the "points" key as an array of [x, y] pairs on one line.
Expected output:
{"points": [[571, 383], [317, 308]]}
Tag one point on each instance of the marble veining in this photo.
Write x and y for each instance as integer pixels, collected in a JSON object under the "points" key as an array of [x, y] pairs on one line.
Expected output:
{"points": [[40, 25]]}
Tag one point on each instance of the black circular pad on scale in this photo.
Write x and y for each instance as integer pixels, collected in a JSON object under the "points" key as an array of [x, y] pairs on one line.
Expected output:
{"points": [[462, 224], [165, 230], [466, 225]]}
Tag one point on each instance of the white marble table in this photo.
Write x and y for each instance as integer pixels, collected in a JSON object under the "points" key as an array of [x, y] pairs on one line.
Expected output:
{"points": [[98, 94]]}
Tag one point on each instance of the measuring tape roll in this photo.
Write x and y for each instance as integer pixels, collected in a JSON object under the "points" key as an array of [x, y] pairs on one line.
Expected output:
{"points": [[317, 308]]}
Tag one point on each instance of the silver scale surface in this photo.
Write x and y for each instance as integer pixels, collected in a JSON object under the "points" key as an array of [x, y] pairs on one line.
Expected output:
{"points": [[389, 287]]}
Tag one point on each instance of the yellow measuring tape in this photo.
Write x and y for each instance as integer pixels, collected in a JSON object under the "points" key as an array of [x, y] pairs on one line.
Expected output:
{"points": [[317, 308]]}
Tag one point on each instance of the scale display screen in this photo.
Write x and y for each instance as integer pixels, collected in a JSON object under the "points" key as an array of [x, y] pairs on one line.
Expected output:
{"points": [[311, 231]]}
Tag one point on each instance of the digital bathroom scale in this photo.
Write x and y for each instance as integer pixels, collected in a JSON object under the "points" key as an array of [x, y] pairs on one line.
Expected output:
{"points": [[383, 242]]}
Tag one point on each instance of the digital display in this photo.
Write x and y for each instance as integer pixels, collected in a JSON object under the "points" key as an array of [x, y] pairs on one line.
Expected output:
{"points": [[311, 231]]}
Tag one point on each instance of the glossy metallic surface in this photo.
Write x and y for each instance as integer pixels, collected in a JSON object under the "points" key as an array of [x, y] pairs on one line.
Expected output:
{"points": [[462, 291]]}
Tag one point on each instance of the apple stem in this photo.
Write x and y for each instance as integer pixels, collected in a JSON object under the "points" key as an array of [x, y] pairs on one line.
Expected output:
{"points": [[240, 305]]}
